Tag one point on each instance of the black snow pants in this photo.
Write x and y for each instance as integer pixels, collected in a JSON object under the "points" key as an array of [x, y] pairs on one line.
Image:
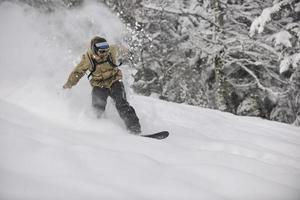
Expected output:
{"points": [[117, 93]]}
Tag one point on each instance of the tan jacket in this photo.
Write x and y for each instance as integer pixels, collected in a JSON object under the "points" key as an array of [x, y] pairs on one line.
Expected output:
{"points": [[104, 75]]}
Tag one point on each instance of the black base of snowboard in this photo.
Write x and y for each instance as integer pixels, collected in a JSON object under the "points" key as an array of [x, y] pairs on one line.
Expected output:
{"points": [[160, 135]]}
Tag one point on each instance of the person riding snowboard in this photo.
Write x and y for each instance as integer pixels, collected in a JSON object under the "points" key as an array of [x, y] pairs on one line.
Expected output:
{"points": [[106, 80]]}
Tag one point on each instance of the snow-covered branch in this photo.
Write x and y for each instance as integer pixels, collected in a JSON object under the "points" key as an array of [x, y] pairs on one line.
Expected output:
{"points": [[288, 61], [259, 23], [181, 12], [251, 73]]}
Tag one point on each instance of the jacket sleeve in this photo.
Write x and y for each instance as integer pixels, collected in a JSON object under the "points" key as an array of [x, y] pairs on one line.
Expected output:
{"points": [[79, 71]]}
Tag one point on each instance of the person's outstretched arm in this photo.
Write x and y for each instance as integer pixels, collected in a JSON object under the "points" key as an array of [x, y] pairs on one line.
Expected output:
{"points": [[78, 72]]}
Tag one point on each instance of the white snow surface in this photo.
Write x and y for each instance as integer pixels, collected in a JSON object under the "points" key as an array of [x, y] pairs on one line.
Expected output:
{"points": [[52, 146]]}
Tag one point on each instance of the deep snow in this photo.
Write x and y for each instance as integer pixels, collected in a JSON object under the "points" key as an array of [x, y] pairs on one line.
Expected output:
{"points": [[53, 147]]}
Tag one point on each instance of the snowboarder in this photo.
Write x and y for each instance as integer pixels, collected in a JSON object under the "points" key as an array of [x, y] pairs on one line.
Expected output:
{"points": [[106, 80]]}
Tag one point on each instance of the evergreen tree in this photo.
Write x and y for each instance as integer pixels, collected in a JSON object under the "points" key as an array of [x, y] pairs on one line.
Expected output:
{"points": [[239, 56], [282, 18]]}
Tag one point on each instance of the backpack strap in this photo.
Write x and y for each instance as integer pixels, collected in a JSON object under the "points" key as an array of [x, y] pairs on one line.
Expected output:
{"points": [[93, 66], [109, 60]]}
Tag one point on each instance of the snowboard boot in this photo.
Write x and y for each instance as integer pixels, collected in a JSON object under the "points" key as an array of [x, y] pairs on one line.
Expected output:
{"points": [[135, 129]]}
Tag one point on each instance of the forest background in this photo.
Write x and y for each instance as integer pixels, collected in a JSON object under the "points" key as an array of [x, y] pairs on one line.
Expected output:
{"points": [[238, 56]]}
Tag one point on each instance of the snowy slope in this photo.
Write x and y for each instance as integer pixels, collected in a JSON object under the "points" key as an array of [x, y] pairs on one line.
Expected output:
{"points": [[53, 147]]}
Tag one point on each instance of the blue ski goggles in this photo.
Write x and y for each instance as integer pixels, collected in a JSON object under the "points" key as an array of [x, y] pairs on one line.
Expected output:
{"points": [[102, 46]]}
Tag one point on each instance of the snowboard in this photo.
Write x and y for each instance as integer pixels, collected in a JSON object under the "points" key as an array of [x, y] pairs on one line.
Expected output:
{"points": [[159, 135]]}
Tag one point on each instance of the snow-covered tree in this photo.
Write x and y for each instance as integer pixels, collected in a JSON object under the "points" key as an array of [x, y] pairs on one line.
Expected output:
{"points": [[239, 56], [50, 5], [279, 25]]}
